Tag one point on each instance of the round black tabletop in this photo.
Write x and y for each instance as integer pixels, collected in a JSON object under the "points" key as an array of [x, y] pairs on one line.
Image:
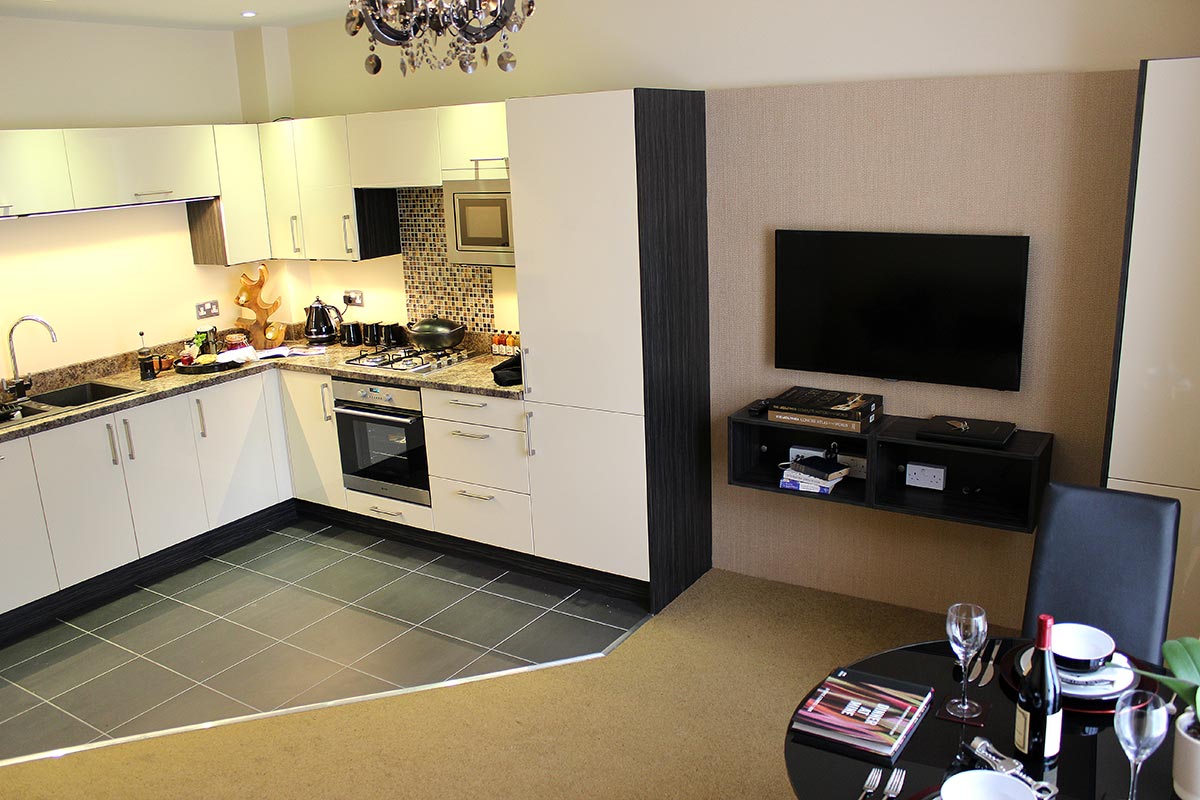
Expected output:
{"points": [[1091, 764]]}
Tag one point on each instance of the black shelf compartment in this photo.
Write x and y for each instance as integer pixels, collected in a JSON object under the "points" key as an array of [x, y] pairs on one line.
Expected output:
{"points": [[758, 446]]}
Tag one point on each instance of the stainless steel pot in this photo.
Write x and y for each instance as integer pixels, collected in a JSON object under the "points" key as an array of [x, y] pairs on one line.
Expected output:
{"points": [[435, 333]]}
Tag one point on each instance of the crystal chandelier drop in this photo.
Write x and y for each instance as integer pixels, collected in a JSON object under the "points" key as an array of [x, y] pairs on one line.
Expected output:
{"points": [[417, 25]]}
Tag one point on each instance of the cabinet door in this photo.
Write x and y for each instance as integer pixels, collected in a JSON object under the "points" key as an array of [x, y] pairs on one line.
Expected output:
{"points": [[574, 193], [162, 473], [84, 497], [312, 438], [482, 514], [243, 198], [33, 173], [234, 445], [395, 148], [281, 189], [326, 199], [126, 166], [471, 132], [587, 484], [26, 563]]}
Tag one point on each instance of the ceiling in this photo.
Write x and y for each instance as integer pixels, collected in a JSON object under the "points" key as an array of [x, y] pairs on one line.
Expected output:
{"points": [[210, 14]]}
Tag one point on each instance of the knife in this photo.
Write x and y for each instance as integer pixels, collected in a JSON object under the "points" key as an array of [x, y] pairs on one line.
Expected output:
{"points": [[976, 666], [990, 670]]}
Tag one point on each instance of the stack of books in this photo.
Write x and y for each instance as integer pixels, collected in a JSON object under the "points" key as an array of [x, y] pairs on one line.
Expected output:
{"points": [[813, 474], [854, 412]]}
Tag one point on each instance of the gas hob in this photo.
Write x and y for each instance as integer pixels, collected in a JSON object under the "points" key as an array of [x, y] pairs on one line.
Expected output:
{"points": [[410, 359]]}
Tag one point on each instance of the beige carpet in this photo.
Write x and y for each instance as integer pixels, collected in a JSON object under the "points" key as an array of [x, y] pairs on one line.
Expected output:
{"points": [[694, 704]]}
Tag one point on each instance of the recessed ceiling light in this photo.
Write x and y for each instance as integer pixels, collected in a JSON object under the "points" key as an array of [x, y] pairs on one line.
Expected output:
{"points": [[249, 14]]}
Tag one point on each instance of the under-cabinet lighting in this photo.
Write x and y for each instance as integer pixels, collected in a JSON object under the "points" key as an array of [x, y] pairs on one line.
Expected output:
{"points": [[248, 14]]}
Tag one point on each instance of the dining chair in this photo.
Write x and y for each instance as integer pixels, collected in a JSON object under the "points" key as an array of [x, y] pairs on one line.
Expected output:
{"points": [[1107, 559]]}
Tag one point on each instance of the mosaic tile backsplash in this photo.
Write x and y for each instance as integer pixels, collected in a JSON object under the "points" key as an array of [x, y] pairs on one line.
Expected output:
{"points": [[434, 285]]}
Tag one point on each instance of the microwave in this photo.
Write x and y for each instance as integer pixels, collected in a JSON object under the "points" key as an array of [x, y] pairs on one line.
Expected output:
{"points": [[479, 222]]}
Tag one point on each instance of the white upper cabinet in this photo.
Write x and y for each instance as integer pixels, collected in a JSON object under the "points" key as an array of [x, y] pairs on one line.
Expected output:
{"points": [[395, 148], [243, 198], [326, 197], [126, 166], [33, 173], [471, 136], [26, 562], [282, 189]]}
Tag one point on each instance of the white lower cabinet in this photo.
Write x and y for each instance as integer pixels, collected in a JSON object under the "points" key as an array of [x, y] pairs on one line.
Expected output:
{"points": [[482, 514], [84, 497], [477, 454], [312, 438], [26, 561], [390, 510]]}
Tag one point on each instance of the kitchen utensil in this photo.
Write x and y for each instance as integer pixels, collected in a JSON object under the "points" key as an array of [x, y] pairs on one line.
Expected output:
{"points": [[966, 627], [1081, 648], [206, 340], [372, 332], [989, 669], [984, 784], [352, 334], [435, 333], [319, 327], [871, 783], [895, 784], [1141, 723], [976, 666]]}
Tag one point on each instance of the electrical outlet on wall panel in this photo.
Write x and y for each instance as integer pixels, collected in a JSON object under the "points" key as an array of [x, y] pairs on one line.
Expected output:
{"points": [[925, 476], [353, 297], [210, 309]]}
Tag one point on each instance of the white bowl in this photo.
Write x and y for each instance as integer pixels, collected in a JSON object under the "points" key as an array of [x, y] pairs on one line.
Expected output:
{"points": [[983, 784], [1080, 648]]}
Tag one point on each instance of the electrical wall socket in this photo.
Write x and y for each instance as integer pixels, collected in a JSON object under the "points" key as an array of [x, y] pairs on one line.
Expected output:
{"points": [[352, 297], [210, 309], [858, 466], [925, 476]]}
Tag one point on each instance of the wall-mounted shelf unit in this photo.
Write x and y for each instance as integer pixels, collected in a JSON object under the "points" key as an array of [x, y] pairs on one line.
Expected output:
{"points": [[999, 488]]}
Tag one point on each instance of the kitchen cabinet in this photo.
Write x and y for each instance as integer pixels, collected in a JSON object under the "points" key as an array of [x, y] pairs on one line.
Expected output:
{"points": [[34, 177], [389, 510], [127, 166], [312, 438], [281, 189], [233, 441], [390, 149], [482, 514], [84, 496], [232, 228], [26, 560], [473, 141], [477, 454]]}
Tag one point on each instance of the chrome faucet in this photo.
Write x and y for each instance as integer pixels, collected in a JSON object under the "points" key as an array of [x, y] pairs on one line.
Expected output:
{"points": [[18, 385]]}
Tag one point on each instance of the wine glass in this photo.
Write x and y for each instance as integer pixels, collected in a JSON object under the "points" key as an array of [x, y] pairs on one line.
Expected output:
{"points": [[966, 627], [1141, 722]]}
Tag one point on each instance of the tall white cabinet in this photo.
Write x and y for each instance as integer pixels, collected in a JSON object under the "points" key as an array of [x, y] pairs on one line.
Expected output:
{"points": [[1154, 428]]}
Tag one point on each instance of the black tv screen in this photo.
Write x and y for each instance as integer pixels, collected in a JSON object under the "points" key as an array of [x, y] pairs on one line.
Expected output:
{"points": [[936, 308]]}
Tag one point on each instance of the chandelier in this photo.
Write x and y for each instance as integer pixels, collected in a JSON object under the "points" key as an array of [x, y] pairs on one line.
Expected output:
{"points": [[417, 26]]}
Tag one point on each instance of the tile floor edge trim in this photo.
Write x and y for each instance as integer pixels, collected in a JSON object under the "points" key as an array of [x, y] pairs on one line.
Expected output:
{"points": [[199, 726]]}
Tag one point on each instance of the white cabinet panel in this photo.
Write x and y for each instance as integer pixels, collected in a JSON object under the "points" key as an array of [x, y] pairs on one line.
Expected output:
{"points": [[326, 198], [477, 454], [26, 562], [312, 438], [126, 166], [243, 198], [84, 497], [469, 132], [389, 510], [498, 412], [587, 480], [162, 473], [574, 179], [33, 173], [395, 148], [234, 446], [282, 189], [482, 514]]}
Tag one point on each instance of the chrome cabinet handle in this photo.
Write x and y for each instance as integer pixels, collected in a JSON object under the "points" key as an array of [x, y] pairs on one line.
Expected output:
{"points": [[525, 371], [128, 438], [203, 426], [349, 412], [324, 405], [462, 493], [468, 405], [3, 458], [152, 194], [379, 510], [295, 247], [529, 433], [465, 435], [112, 445], [346, 232]]}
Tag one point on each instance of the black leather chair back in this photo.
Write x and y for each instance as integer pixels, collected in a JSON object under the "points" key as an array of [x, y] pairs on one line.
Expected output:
{"points": [[1107, 559]]}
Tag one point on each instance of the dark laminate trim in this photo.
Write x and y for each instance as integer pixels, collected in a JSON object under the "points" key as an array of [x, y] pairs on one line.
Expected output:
{"points": [[378, 220], [673, 239], [208, 235]]}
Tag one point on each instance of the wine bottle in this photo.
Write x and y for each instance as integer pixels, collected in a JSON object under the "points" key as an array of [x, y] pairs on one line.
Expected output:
{"points": [[1038, 731]]}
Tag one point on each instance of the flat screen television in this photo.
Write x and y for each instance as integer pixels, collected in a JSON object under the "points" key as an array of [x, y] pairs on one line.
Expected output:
{"points": [[936, 308]]}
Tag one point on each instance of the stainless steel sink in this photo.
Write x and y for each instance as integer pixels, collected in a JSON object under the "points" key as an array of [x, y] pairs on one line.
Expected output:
{"points": [[81, 395]]}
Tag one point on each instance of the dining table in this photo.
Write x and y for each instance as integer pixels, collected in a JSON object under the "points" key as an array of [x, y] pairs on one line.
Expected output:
{"points": [[1091, 763]]}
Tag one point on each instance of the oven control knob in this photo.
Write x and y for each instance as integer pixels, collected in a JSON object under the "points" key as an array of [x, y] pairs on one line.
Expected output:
{"points": [[362, 393], [387, 398]]}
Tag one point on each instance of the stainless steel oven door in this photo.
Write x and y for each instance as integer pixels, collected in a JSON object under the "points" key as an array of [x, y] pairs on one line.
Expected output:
{"points": [[383, 452], [479, 222]]}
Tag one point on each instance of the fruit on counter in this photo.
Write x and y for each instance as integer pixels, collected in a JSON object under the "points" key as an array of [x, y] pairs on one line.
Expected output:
{"points": [[186, 359]]}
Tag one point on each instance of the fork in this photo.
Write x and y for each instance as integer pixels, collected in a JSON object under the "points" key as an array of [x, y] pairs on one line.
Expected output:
{"points": [[894, 785], [871, 783]]}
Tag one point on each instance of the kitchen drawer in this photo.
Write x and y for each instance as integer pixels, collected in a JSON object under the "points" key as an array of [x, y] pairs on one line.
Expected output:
{"points": [[483, 514], [389, 510], [477, 454], [497, 412]]}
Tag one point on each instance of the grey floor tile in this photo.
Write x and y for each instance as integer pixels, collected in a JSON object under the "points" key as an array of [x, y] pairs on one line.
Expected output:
{"points": [[557, 636], [14, 700], [531, 589], [345, 539], [492, 662], [283, 613], [121, 607], [348, 635], [301, 528], [295, 561], [255, 549], [37, 643], [55, 671], [229, 591], [211, 649], [352, 578], [154, 626], [414, 597], [40, 729], [602, 608], [347, 683], [485, 619], [119, 696], [196, 705], [187, 578], [399, 554], [462, 570], [419, 657], [273, 676]]}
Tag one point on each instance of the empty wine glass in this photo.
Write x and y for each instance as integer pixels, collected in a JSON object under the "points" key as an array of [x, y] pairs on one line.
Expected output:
{"points": [[1141, 722], [966, 627]]}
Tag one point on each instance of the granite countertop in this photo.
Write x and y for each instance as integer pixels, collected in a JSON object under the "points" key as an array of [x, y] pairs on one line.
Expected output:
{"points": [[470, 377]]}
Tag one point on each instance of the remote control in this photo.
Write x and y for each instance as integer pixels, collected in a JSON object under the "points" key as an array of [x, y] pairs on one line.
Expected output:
{"points": [[758, 408]]}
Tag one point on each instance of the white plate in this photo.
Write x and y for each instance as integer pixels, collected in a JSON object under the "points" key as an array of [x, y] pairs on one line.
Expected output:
{"points": [[1117, 671], [983, 784]]}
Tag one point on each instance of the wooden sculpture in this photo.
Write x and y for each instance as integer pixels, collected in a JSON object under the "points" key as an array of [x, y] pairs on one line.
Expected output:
{"points": [[250, 297]]}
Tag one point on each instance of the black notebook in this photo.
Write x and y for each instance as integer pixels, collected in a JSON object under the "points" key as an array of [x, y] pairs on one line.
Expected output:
{"points": [[973, 432]]}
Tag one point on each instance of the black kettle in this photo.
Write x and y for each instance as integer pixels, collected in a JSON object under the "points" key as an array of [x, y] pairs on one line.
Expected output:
{"points": [[319, 327]]}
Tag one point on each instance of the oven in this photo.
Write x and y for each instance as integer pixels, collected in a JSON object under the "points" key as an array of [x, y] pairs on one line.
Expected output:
{"points": [[381, 436], [479, 222]]}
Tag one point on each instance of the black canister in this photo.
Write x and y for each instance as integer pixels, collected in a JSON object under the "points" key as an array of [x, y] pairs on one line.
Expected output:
{"points": [[352, 334], [372, 333]]}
